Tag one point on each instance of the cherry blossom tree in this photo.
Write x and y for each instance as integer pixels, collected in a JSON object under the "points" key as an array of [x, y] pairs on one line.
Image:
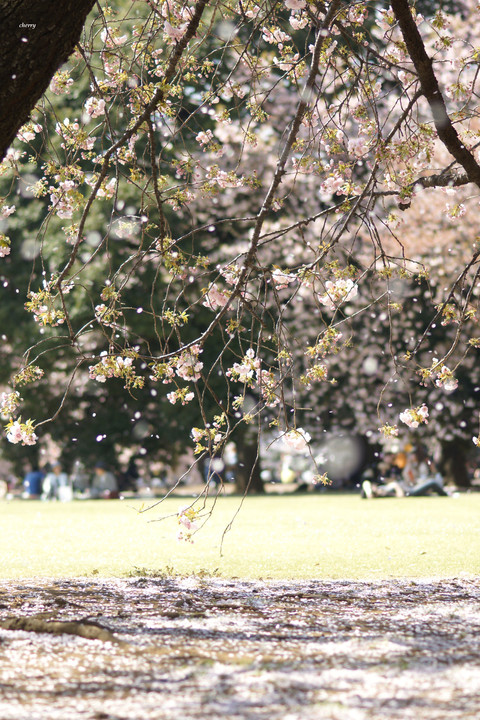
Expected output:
{"points": [[230, 198]]}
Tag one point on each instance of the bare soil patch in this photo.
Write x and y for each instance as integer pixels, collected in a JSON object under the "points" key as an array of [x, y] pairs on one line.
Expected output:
{"points": [[194, 648]]}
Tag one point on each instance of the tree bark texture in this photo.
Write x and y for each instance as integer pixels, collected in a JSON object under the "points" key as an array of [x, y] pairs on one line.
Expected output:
{"points": [[453, 463], [36, 37], [248, 479]]}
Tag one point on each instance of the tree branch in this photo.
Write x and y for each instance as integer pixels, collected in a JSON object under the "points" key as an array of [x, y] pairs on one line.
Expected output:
{"points": [[431, 90]]}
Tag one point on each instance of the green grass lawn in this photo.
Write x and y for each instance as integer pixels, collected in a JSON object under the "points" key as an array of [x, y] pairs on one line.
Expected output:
{"points": [[299, 536]]}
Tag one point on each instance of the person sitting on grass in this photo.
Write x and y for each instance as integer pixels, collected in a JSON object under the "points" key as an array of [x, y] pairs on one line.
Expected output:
{"points": [[54, 482], [104, 483], [385, 483], [420, 477]]}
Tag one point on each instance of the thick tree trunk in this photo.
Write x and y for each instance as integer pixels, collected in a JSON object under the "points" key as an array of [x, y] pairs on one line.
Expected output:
{"points": [[36, 37], [453, 463], [247, 478]]}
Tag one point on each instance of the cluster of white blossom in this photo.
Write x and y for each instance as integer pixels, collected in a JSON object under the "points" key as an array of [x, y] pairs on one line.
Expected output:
{"points": [[120, 366], [183, 395], [188, 366], [24, 433], [95, 107], [245, 371], [64, 198], [282, 279], [445, 379], [296, 439], [337, 292], [215, 298], [9, 401], [29, 131], [413, 417]]}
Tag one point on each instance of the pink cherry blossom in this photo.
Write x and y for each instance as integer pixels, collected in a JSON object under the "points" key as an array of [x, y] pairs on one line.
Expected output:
{"points": [[295, 4], [188, 365], [297, 439], [215, 298], [282, 279], [204, 138], [413, 417], [95, 107], [7, 210], [338, 292], [15, 434], [176, 33], [298, 22], [197, 434], [19, 432], [445, 379]]}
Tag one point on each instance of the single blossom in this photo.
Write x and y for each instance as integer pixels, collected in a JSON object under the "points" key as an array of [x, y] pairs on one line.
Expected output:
{"points": [[176, 33], [197, 434]]}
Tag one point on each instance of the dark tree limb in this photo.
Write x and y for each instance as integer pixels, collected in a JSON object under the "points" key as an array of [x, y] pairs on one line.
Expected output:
{"points": [[36, 37], [431, 90], [452, 178]]}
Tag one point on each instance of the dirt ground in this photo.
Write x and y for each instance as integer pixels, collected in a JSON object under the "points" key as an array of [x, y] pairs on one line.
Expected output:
{"points": [[192, 648]]}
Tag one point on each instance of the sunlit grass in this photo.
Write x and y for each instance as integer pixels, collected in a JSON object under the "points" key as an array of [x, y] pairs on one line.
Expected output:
{"points": [[308, 536]]}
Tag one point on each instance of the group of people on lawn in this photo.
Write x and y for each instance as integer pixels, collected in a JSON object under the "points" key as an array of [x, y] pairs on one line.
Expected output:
{"points": [[402, 475], [56, 484]]}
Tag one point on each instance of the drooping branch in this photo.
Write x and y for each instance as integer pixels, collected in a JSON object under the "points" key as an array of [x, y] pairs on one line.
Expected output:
{"points": [[35, 39], [431, 90]]}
